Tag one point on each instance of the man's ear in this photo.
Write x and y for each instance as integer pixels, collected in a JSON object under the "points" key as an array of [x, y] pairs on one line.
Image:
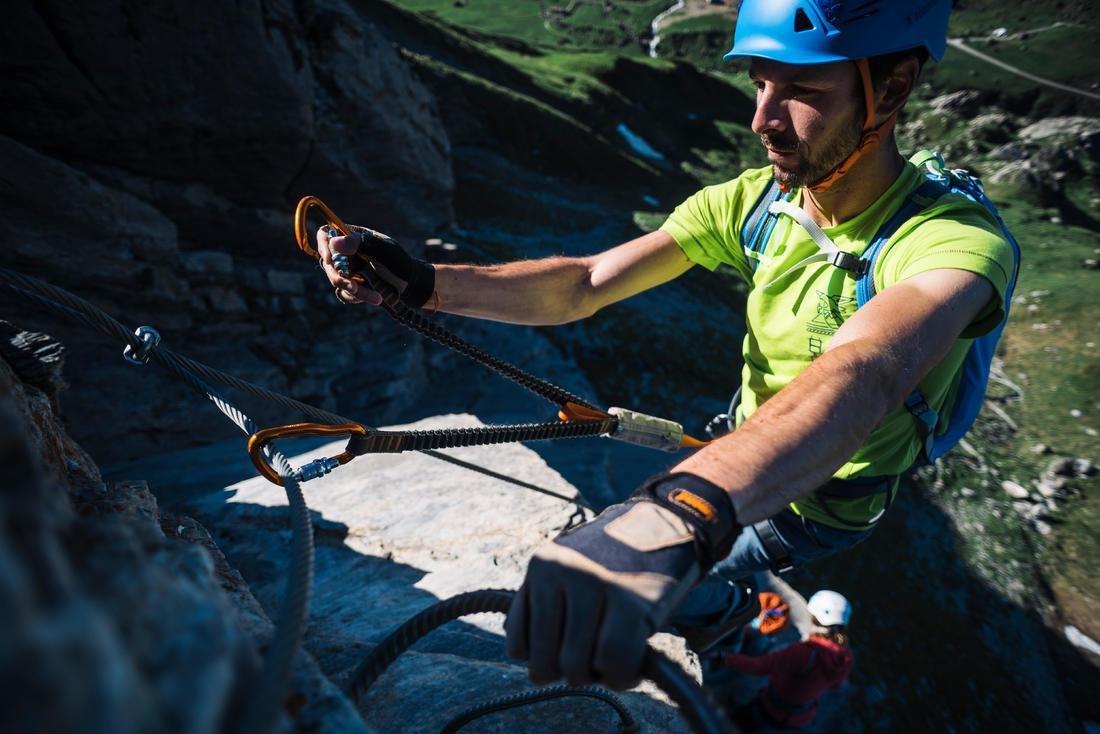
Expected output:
{"points": [[894, 91]]}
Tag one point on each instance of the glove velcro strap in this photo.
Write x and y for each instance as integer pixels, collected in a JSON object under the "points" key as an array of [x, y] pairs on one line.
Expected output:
{"points": [[419, 276], [421, 284], [705, 506]]}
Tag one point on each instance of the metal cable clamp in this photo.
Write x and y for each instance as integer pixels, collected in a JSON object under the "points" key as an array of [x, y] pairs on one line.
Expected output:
{"points": [[150, 338]]}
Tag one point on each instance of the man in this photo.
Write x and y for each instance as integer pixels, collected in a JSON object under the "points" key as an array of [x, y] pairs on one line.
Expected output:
{"points": [[823, 384]]}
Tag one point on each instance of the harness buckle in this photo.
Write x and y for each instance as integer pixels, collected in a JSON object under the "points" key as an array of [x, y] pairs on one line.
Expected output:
{"points": [[847, 261]]}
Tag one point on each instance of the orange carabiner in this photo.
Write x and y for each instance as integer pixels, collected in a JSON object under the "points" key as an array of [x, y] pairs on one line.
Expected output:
{"points": [[301, 233], [258, 440], [572, 412]]}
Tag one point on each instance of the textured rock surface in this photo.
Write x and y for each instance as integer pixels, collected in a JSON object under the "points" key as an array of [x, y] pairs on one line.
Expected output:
{"points": [[251, 102], [395, 533], [117, 617], [151, 155]]}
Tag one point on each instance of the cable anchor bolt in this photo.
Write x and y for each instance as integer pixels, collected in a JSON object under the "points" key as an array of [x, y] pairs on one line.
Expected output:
{"points": [[150, 338]]}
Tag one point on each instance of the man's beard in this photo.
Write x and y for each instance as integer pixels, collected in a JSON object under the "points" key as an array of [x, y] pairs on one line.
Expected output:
{"points": [[811, 169]]}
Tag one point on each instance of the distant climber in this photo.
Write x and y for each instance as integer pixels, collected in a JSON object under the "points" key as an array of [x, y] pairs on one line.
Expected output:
{"points": [[771, 627], [841, 391], [798, 675]]}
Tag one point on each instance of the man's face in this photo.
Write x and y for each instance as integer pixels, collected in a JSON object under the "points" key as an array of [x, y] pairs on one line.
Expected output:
{"points": [[809, 118]]}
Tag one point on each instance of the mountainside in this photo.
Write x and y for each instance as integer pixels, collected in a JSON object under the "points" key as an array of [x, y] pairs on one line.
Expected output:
{"points": [[151, 155]]}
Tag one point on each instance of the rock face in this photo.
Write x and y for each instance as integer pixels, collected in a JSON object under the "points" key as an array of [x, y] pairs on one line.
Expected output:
{"points": [[117, 616], [151, 158], [121, 616], [249, 104], [395, 533]]}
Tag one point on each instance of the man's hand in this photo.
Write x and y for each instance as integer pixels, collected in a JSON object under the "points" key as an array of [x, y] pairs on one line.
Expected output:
{"points": [[594, 594], [413, 279]]}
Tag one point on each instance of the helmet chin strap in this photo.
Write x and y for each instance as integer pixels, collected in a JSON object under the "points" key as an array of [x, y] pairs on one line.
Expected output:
{"points": [[868, 141]]}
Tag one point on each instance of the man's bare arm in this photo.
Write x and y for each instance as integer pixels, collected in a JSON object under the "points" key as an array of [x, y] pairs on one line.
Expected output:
{"points": [[552, 290], [560, 289], [795, 441]]}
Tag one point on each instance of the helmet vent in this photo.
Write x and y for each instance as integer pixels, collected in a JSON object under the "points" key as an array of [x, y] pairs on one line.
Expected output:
{"points": [[866, 10], [840, 13], [802, 21]]}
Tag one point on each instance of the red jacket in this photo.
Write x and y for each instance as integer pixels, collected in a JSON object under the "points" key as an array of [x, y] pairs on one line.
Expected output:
{"points": [[797, 676]]}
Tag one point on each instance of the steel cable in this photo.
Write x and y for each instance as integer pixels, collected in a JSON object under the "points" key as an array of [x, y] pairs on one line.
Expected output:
{"points": [[695, 702], [263, 707], [265, 704], [627, 723], [82, 311]]}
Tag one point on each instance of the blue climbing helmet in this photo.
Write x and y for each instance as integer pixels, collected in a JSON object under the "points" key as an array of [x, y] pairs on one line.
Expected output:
{"points": [[823, 31]]}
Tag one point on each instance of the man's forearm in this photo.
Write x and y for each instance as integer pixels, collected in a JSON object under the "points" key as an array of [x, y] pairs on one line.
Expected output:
{"points": [[539, 292], [557, 290], [795, 441]]}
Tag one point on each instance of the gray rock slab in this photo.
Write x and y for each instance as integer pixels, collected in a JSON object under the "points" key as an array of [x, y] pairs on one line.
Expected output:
{"points": [[395, 534]]}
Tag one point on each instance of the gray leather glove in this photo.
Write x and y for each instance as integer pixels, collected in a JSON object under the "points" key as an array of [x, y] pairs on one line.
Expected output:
{"points": [[594, 594]]}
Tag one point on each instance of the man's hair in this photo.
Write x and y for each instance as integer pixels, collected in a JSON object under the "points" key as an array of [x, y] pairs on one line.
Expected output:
{"points": [[882, 66]]}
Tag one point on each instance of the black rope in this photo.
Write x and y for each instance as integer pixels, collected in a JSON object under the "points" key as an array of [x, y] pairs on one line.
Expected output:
{"points": [[695, 702], [392, 442], [262, 709], [413, 319], [77, 309], [627, 723], [577, 500]]}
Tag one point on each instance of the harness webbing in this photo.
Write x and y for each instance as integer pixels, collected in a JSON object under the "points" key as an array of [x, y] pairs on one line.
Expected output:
{"points": [[757, 228]]}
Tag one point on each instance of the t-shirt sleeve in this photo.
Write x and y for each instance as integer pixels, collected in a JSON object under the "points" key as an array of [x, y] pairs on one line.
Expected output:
{"points": [[964, 240], [704, 227]]}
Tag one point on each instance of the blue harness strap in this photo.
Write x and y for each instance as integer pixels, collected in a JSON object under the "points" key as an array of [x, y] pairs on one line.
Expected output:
{"points": [[758, 226], [978, 359], [939, 181], [927, 193]]}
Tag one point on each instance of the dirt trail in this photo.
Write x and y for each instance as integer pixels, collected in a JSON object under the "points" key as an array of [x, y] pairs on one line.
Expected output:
{"points": [[693, 8], [960, 45]]}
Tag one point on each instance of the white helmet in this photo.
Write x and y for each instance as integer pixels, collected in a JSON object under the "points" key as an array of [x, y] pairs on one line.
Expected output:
{"points": [[830, 608]]}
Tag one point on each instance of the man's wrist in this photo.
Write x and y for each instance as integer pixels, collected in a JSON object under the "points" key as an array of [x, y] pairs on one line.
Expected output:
{"points": [[421, 284], [702, 504]]}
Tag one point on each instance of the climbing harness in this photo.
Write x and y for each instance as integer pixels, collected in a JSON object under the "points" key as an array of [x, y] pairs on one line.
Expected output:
{"points": [[939, 181]]}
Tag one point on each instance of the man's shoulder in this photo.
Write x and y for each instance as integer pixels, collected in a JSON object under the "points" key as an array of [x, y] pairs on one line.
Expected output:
{"points": [[732, 200], [957, 221], [955, 232]]}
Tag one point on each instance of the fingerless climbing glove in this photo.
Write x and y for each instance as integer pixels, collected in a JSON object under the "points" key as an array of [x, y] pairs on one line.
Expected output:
{"points": [[594, 594], [413, 278]]}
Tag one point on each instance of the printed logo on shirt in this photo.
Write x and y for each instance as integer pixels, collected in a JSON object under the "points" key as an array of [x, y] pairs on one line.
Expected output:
{"points": [[832, 310]]}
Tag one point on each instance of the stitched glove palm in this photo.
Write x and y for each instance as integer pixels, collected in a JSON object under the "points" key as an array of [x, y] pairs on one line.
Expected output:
{"points": [[594, 594]]}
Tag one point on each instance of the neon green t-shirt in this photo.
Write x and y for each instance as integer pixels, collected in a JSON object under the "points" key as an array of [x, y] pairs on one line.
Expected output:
{"points": [[792, 314]]}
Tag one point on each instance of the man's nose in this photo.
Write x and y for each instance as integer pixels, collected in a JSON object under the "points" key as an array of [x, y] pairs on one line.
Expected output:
{"points": [[771, 113]]}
